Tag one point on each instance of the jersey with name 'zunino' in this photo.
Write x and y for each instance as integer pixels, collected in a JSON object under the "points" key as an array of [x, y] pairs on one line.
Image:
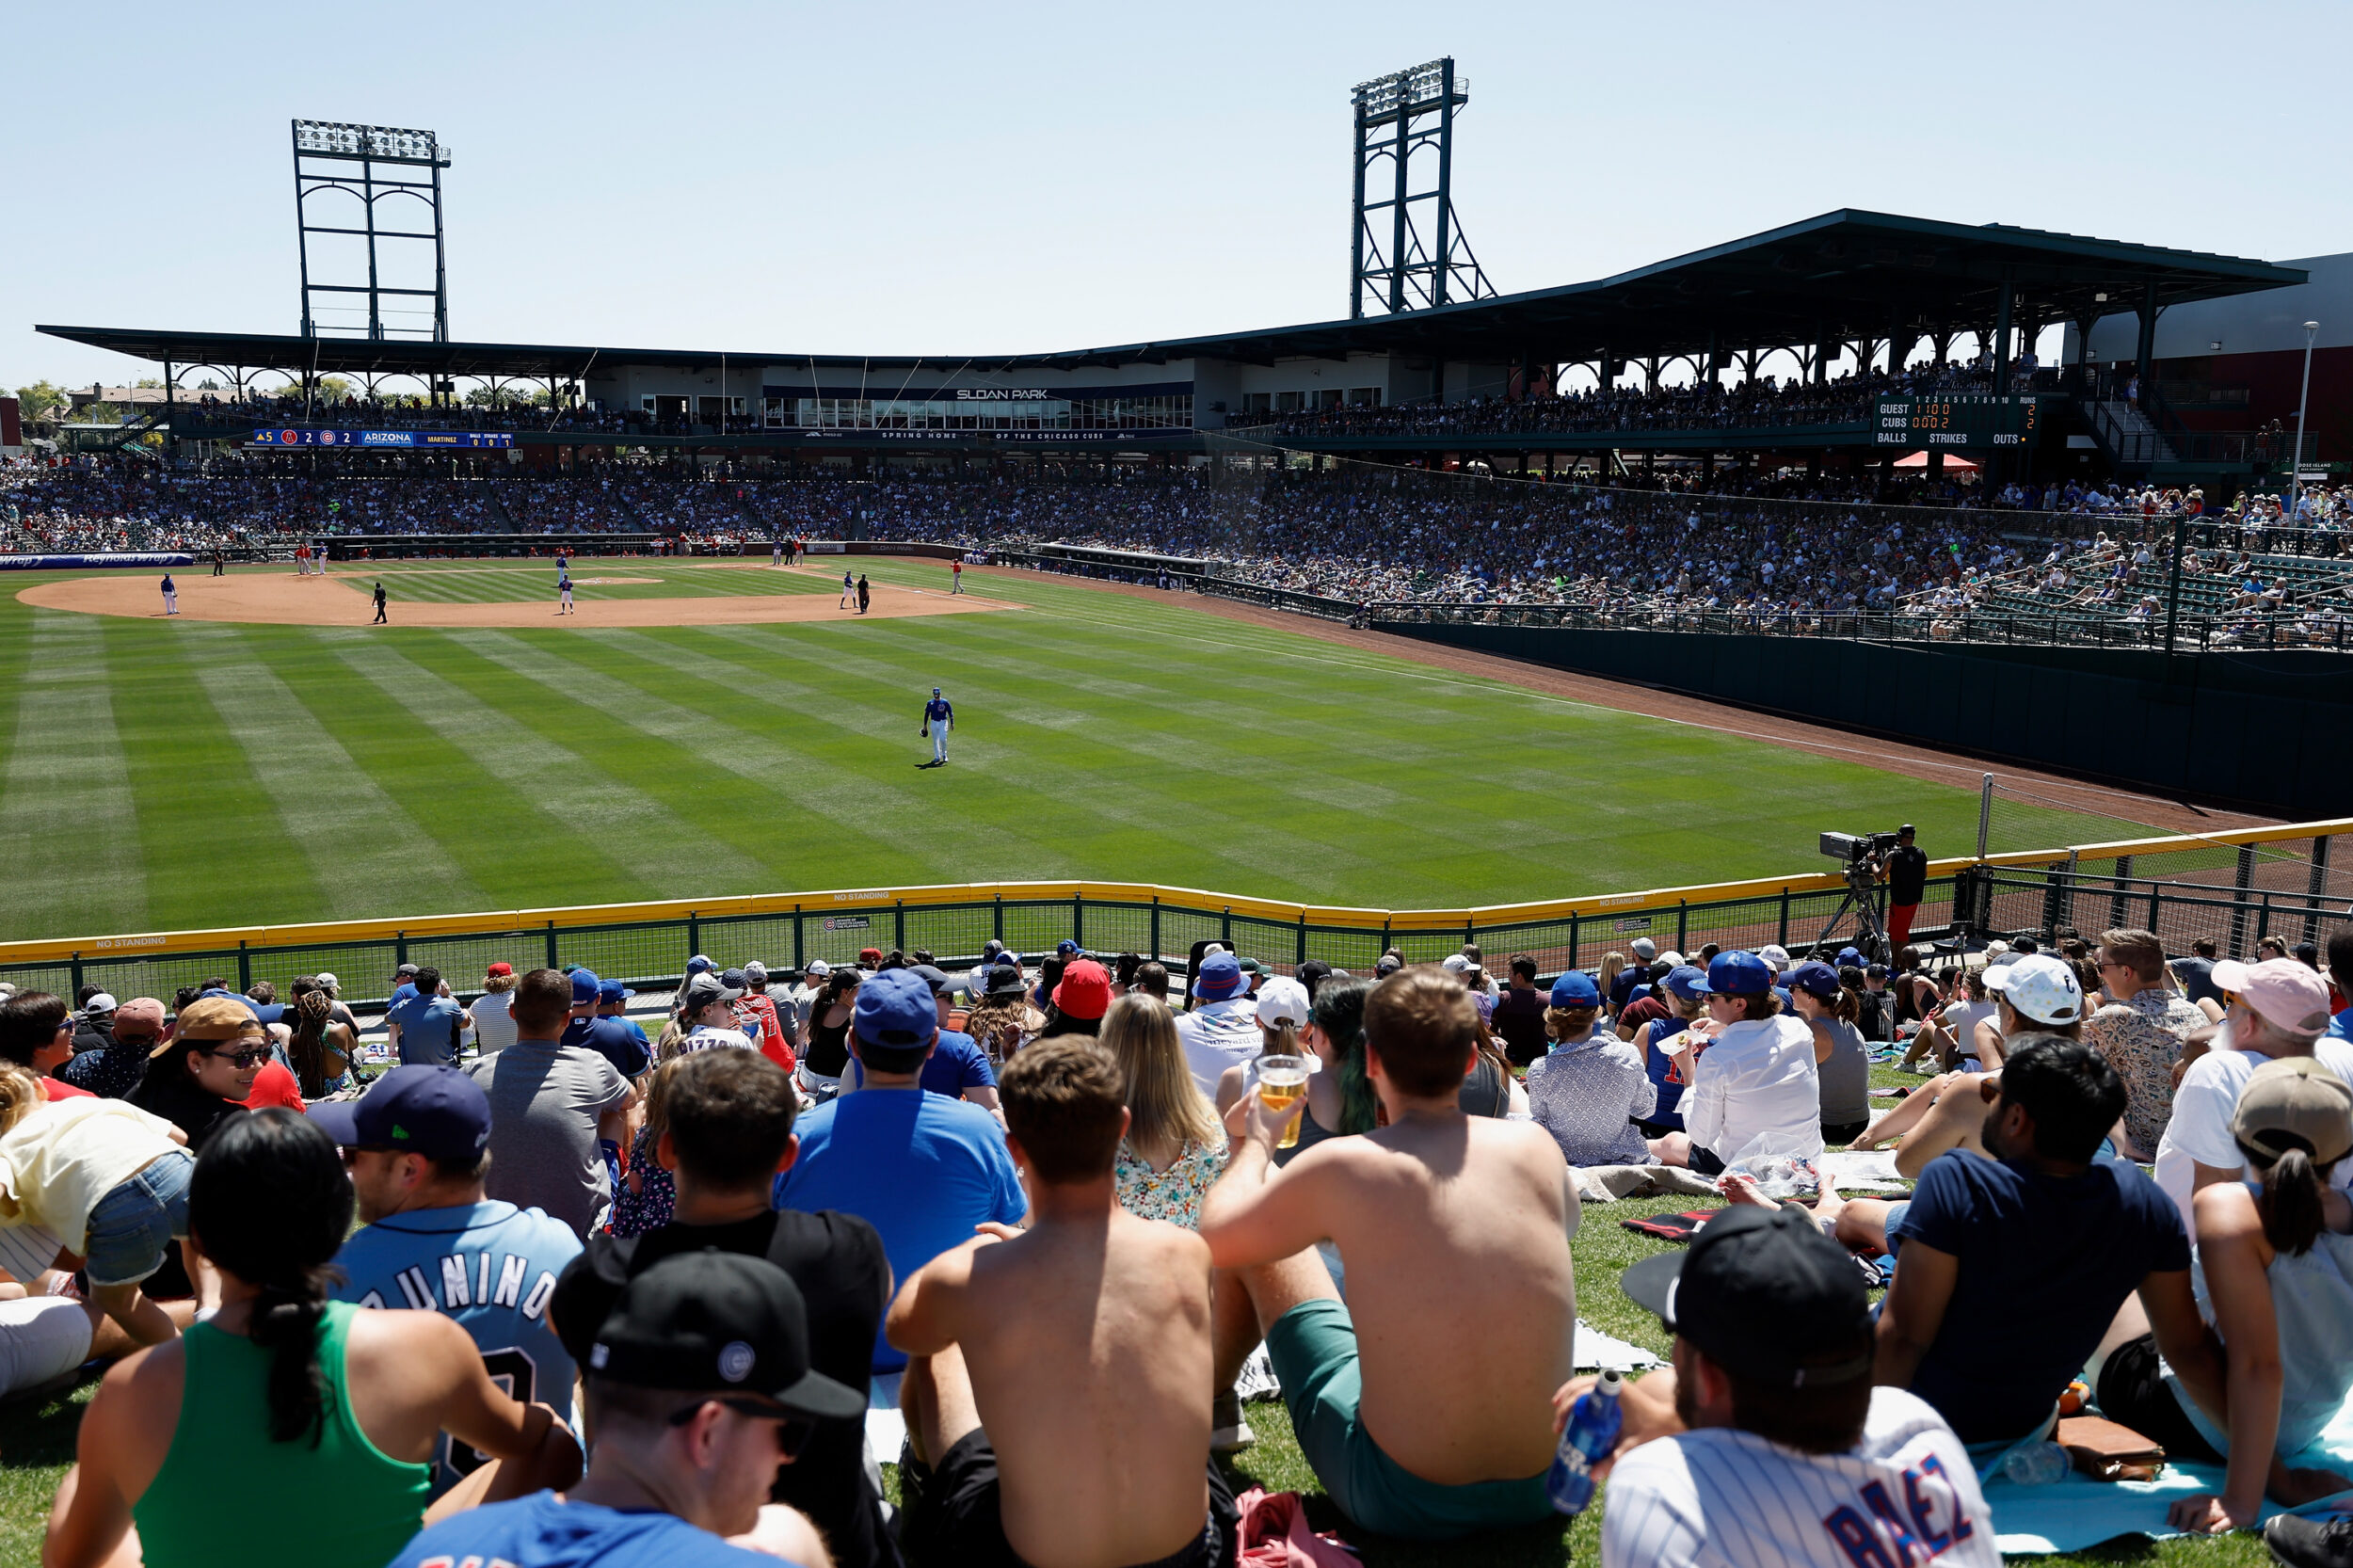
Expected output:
{"points": [[1720, 1498], [493, 1268]]}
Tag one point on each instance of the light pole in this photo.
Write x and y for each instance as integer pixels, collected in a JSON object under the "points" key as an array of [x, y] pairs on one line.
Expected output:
{"points": [[2295, 463]]}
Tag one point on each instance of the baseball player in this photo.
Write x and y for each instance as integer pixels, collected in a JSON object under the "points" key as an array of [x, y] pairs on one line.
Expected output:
{"points": [[562, 562], [955, 575], [564, 591], [302, 560], [220, 562], [171, 596], [939, 716], [776, 552], [432, 1242], [849, 590], [379, 606]]}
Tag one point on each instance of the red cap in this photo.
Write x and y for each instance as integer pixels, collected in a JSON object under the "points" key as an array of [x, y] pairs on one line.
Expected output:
{"points": [[868, 957], [500, 969], [1086, 991]]}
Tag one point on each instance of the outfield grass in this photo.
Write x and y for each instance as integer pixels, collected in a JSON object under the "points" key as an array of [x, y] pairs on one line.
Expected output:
{"points": [[167, 776]]}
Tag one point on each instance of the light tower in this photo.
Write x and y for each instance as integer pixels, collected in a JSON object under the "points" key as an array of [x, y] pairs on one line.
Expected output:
{"points": [[343, 172], [1399, 115]]}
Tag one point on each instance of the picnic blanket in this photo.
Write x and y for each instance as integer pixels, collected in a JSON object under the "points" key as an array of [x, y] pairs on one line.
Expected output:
{"points": [[2069, 1514]]}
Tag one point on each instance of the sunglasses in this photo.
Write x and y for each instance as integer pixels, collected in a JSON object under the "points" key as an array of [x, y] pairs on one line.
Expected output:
{"points": [[792, 1431], [251, 1057]]}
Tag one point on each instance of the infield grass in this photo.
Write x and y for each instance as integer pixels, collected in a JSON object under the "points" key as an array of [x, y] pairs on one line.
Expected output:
{"points": [[162, 775]]}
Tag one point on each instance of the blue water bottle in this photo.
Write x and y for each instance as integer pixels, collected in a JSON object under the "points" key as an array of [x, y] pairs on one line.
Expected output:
{"points": [[1591, 1437]]}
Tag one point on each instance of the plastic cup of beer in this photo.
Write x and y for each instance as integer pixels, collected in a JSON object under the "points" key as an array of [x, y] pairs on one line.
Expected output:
{"points": [[1283, 1086]]}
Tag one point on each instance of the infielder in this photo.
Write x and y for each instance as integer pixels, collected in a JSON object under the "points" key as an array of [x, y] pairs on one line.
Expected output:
{"points": [[939, 716], [849, 590], [171, 596], [564, 591], [955, 575], [776, 552]]}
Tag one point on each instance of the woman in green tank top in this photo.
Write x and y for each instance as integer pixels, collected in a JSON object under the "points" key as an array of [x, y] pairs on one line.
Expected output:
{"points": [[288, 1428]]}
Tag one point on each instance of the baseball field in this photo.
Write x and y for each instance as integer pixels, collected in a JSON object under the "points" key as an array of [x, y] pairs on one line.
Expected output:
{"points": [[711, 728]]}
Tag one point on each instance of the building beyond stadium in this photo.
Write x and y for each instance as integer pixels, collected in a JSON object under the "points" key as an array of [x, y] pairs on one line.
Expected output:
{"points": [[1848, 288]]}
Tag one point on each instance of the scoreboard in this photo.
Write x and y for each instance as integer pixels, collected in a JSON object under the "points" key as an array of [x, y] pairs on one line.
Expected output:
{"points": [[1957, 420]]}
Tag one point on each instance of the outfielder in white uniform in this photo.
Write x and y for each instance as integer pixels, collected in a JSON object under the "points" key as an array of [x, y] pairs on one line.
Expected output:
{"points": [[1764, 1295], [939, 716]]}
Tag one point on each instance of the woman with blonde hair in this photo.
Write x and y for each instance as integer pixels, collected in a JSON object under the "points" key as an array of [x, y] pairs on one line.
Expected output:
{"points": [[1174, 1149], [1612, 964], [646, 1197]]}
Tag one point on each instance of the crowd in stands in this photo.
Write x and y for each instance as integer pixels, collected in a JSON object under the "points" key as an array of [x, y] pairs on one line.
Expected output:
{"points": [[1786, 547], [1054, 1207]]}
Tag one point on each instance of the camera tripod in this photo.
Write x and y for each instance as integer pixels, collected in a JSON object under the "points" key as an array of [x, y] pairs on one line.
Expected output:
{"points": [[1861, 902]]}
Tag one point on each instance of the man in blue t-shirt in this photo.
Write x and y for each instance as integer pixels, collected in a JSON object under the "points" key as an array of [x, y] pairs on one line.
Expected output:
{"points": [[430, 1023], [432, 1242], [957, 1068], [616, 1039], [924, 1170], [699, 1386], [2010, 1270]]}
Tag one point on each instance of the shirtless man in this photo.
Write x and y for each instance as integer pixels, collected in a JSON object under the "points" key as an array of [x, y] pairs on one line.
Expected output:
{"points": [[1057, 1399], [1441, 1219]]}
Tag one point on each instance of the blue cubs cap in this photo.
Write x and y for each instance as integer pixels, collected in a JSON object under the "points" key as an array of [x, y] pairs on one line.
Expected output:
{"points": [[697, 963], [1066, 949], [1736, 974], [1575, 989], [934, 691], [1688, 981], [1219, 977], [586, 987], [1850, 955], [613, 990], [1815, 979], [436, 1112], [895, 1011]]}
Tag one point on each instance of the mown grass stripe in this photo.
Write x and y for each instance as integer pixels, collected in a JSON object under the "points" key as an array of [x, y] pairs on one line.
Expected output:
{"points": [[366, 852], [634, 829], [68, 814]]}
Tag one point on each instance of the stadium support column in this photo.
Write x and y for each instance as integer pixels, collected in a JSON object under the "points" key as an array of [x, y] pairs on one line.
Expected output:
{"points": [[1997, 460], [2145, 351]]}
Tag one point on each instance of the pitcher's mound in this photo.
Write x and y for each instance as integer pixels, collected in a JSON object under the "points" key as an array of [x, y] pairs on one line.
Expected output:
{"points": [[286, 600]]}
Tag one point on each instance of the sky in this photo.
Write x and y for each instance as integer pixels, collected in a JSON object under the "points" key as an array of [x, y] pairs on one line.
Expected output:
{"points": [[979, 179]]}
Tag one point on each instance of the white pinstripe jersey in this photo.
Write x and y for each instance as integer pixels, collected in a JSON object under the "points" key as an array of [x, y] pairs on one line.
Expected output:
{"points": [[1904, 1496]]}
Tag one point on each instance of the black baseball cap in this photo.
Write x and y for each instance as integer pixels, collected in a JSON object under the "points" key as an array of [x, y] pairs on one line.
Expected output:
{"points": [[710, 1320], [1764, 1293]]}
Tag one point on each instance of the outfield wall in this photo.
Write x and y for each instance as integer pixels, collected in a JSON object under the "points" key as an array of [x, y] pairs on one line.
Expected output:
{"points": [[2237, 887], [2263, 729]]}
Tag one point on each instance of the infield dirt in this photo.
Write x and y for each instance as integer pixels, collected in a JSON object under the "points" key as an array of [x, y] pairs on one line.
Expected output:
{"points": [[345, 600]]}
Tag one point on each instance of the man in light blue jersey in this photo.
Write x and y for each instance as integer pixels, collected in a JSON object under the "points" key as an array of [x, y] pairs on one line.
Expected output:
{"points": [[939, 716], [417, 1143]]}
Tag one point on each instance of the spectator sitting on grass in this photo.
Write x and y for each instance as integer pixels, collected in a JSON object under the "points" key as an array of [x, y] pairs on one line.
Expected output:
{"points": [[203, 1074], [114, 1070], [1750, 1067], [1018, 1451], [1842, 1063], [551, 1105], [2043, 1235], [2141, 1031], [1281, 1009], [330, 1409], [2281, 1010], [1439, 1217], [2275, 1264], [1682, 1000], [727, 1135], [924, 1170], [430, 1023], [1589, 1090], [1769, 1422], [701, 1391], [1222, 1029]]}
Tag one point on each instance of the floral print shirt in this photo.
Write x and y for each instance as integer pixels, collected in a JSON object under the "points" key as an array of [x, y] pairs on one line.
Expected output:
{"points": [[2143, 1037], [1173, 1194]]}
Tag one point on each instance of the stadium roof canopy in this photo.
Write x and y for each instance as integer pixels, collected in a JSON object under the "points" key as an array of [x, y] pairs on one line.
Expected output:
{"points": [[1842, 275]]}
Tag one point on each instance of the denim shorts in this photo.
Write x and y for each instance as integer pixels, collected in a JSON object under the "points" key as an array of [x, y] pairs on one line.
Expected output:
{"points": [[134, 1225]]}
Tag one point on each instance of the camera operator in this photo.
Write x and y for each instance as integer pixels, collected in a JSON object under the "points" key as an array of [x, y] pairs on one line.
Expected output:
{"points": [[1907, 867]]}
